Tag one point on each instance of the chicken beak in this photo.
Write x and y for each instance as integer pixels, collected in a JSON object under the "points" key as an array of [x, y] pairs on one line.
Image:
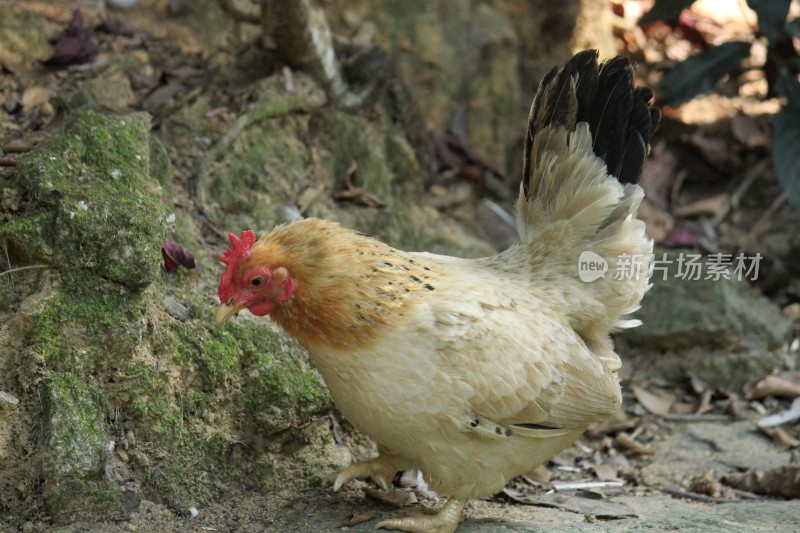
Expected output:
{"points": [[225, 311]]}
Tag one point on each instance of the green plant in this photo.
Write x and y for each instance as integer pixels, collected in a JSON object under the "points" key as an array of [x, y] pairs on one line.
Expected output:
{"points": [[699, 74]]}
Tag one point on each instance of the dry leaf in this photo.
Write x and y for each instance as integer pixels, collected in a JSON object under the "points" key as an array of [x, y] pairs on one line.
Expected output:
{"points": [[704, 405], [789, 415], [76, 45], [395, 498], [706, 484], [655, 404], [624, 440], [356, 518], [576, 504], [772, 385], [780, 437], [176, 255], [783, 481], [605, 472]]}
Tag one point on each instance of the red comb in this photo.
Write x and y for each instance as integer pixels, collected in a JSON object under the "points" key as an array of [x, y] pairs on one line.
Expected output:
{"points": [[240, 247]]}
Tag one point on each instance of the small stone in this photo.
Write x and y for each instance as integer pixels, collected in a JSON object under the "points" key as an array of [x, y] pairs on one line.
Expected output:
{"points": [[8, 401], [33, 97], [27, 527], [113, 93], [176, 309], [193, 512]]}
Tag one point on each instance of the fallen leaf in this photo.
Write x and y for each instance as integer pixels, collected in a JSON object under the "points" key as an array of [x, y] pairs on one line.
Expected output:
{"points": [[706, 484], [624, 440], [783, 481], [395, 498], [76, 45], [576, 504], [772, 385], [784, 417], [655, 404], [704, 405], [605, 472], [356, 518], [780, 437], [176, 255]]}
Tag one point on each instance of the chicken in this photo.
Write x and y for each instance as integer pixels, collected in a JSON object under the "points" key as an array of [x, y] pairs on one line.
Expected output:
{"points": [[473, 371]]}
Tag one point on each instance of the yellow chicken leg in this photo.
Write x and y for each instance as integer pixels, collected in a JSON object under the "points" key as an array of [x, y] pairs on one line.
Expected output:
{"points": [[380, 470], [445, 521]]}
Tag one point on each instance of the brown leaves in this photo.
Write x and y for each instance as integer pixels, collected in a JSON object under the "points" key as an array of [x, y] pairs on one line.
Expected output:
{"points": [[783, 481], [655, 404], [176, 255], [76, 45], [772, 385]]}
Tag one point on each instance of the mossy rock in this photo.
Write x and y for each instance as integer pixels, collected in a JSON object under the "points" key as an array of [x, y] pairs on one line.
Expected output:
{"points": [[77, 451], [95, 356], [93, 205]]}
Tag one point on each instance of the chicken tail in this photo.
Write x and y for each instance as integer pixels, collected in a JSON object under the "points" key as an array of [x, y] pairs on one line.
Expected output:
{"points": [[588, 135]]}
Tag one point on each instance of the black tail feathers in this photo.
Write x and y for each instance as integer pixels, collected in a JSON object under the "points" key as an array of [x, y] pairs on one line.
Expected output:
{"points": [[619, 115]]}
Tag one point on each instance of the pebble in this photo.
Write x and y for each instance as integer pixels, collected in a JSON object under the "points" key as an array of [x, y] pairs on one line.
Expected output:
{"points": [[9, 401]]}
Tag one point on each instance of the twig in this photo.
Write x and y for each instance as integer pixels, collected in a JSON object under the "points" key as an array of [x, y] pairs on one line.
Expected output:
{"points": [[8, 162], [18, 269], [679, 417], [587, 485], [699, 497]]}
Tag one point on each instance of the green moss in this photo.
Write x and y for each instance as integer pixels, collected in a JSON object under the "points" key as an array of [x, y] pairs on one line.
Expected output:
{"points": [[350, 138], [97, 207], [263, 167], [160, 166], [75, 500], [98, 321], [275, 101], [76, 428]]}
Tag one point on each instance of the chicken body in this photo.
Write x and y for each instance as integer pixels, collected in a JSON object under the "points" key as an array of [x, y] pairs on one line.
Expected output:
{"points": [[442, 389], [475, 371]]}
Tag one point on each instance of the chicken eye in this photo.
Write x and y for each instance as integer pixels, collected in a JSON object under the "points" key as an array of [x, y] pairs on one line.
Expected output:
{"points": [[256, 282]]}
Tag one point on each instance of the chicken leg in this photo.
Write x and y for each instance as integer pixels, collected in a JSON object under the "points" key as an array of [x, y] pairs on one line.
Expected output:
{"points": [[380, 470], [445, 521]]}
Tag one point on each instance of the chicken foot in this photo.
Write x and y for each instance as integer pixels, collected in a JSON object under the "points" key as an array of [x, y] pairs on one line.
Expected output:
{"points": [[445, 521], [380, 470]]}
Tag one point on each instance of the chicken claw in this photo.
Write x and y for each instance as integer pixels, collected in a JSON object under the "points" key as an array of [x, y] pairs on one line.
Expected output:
{"points": [[380, 470], [445, 521]]}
